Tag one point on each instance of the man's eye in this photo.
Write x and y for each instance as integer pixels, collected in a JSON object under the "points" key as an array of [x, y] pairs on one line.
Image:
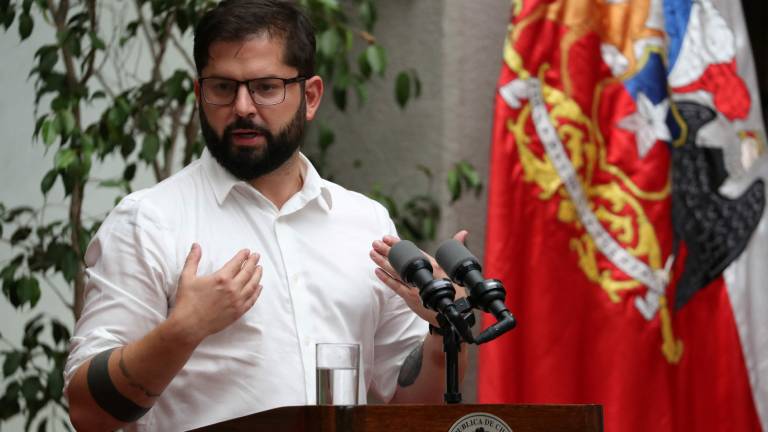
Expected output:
{"points": [[223, 86], [265, 88]]}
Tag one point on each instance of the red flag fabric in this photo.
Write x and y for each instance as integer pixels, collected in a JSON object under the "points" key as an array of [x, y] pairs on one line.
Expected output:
{"points": [[627, 215]]}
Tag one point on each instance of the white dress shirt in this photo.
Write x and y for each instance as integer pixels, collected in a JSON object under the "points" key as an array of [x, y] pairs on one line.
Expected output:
{"points": [[319, 286]]}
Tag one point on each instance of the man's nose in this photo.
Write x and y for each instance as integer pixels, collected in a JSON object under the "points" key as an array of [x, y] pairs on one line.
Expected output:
{"points": [[244, 104]]}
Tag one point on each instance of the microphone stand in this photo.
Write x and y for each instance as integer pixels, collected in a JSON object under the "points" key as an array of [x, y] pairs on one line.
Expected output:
{"points": [[452, 347]]}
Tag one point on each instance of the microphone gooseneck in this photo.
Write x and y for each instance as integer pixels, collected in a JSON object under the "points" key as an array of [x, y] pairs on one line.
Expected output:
{"points": [[487, 294]]}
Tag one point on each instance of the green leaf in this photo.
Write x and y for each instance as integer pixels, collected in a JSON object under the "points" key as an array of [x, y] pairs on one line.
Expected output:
{"points": [[363, 65], [454, 184], [95, 41], [403, 89], [110, 183], [68, 121], [30, 386], [48, 61], [35, 294], [328, 42], [350, 39], [25, 25], [26, 6], [59, 332], [129, 144], [55, 383], [428, 227], [12, 362], [469, 173], [326, 137], [377, 58], [88, 145], [84, 240], [64, 158], [8, 17], [50, 132], [340, 97], [149, 148], [368, 14], [24, 290], [73, 43], [21, 234], [331, 4], [48, 181], [130, 172], [38, 126], [98, 95], [12, 390], [59, 103], [362, 93], [70, 263]]}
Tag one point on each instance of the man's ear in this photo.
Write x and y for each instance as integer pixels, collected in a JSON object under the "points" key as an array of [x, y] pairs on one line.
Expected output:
{"points": [[313, 91], [197, 89]]}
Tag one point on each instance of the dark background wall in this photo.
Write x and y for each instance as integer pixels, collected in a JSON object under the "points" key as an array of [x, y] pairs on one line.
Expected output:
{"points": [[756, 15]]}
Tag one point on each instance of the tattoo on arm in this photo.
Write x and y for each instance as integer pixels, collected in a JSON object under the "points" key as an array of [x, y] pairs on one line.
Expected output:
{"points": [[131, 380], [411, 367]]}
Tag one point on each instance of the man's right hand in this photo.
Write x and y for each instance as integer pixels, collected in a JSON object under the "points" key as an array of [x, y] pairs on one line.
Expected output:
{"points": [[142, 369], [209, 304]]}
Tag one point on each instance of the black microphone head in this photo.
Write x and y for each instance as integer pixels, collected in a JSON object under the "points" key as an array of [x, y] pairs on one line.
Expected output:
{"points": [[404, 253], [451, 254]]}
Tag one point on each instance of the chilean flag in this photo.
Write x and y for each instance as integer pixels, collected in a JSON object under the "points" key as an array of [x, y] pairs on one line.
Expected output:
{"points": [[627, 215]]}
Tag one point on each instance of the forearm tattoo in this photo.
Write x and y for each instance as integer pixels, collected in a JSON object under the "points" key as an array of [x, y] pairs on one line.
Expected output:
{"points": [[411, 367], [131, 380]]}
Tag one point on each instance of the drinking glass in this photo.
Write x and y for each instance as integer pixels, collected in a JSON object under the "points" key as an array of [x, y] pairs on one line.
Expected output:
{"points": [[338, 368]]}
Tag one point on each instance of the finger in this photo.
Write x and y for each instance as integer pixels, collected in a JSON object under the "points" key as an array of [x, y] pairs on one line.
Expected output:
{"points": [[383, 262], [245, 273], [253, 281], [193, 259], [384, 245], [231, 268], [255, 296], [399, 287], [461, 236]]}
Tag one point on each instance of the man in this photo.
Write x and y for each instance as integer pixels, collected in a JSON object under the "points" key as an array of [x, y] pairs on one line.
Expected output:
{"points": [[239, 338]]}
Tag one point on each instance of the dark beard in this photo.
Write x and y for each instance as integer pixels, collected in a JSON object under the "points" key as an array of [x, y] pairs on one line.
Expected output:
{"points": [[250, 163]]}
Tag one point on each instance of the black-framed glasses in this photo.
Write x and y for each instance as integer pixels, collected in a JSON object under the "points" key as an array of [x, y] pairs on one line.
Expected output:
{"points": [[263, 91]]}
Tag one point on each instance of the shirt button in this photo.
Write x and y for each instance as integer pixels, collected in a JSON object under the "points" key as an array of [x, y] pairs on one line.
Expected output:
{"points": [[306, 341], [295, 278]]}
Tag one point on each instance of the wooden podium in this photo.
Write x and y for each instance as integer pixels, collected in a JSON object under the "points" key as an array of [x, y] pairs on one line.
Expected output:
{"points": [[421, 418]]}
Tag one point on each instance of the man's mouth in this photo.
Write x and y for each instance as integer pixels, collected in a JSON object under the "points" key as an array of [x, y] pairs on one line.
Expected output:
{"points": [[246, 133], [246, 136]]}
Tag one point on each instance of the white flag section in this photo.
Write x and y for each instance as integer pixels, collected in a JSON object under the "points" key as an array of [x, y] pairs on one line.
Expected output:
{"points": [[715, 68]]}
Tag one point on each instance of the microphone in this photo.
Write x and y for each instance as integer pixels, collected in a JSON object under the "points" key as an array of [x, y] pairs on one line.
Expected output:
{"points": [[487, 294], [414, 268]]}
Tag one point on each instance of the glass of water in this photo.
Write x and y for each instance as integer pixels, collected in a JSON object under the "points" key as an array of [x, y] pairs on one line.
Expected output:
{"points": [[338, 368]]}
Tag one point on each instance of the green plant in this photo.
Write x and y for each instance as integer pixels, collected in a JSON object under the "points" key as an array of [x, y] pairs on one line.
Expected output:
{"points": [[146, 117]]}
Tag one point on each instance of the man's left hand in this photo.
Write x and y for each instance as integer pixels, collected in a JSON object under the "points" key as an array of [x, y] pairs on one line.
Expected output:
{"points": [[410, 294]]}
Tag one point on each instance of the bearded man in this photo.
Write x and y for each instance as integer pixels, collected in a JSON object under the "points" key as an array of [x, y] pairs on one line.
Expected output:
{"points": [[280, 260]]}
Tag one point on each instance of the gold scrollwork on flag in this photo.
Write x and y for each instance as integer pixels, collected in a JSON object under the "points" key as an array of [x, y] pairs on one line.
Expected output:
{"points": [[615, 203]]}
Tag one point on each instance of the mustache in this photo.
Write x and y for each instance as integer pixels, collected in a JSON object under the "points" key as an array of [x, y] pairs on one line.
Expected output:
{"points": [[246, 123]]}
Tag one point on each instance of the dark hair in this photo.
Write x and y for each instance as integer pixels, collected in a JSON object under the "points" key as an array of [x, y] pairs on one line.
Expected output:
{"points": [[240, 20]]}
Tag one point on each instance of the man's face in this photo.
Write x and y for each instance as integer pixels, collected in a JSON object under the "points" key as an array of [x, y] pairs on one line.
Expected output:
{"points": [[247, 139]]}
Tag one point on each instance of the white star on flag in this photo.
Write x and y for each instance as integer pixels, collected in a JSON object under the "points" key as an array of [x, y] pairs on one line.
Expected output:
{"points": [[648, 123]]}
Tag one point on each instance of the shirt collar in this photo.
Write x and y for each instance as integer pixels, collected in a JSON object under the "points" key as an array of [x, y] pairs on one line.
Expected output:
{"points": [[222, 181]]}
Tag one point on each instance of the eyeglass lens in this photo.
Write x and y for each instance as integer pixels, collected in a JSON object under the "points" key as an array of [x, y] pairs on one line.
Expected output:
{"points": [[265, 91]]}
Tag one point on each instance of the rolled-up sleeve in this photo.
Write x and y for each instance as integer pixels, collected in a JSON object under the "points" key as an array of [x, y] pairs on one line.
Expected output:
{"points": [[127, 292]]}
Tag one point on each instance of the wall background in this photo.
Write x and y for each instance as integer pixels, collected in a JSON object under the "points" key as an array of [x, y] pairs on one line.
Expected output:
{"points": [[454, 45]]}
